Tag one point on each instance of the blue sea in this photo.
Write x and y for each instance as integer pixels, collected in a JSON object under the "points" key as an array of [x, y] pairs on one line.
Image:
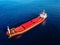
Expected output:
{"points": [[16, 12]]}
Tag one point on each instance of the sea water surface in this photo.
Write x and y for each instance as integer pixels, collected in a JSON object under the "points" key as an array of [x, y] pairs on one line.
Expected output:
{"points": [[16, 12]]}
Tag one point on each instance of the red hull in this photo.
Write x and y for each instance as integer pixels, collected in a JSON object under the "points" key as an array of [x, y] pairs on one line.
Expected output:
{"points": [[26, 26]]}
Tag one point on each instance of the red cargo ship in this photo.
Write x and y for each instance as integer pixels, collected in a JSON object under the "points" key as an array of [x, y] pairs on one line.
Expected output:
{"points": [[26, 26]]}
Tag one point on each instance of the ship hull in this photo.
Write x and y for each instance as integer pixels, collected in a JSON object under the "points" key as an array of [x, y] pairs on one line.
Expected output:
{"points": [[26, 26]]}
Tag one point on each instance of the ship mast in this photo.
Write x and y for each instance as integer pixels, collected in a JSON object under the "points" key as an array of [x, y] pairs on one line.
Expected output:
{"points": [[8, 29]]}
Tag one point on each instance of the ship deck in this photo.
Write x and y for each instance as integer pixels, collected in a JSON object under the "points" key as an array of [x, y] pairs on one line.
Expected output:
{"points": [[27, 26]]}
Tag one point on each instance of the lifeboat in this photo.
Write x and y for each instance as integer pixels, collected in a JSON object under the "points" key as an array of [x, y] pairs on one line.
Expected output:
{"points": [[26, 26]]}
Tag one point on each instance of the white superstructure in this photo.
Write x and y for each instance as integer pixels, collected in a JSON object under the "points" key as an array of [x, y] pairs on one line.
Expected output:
{"points": [[43, 14]]}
